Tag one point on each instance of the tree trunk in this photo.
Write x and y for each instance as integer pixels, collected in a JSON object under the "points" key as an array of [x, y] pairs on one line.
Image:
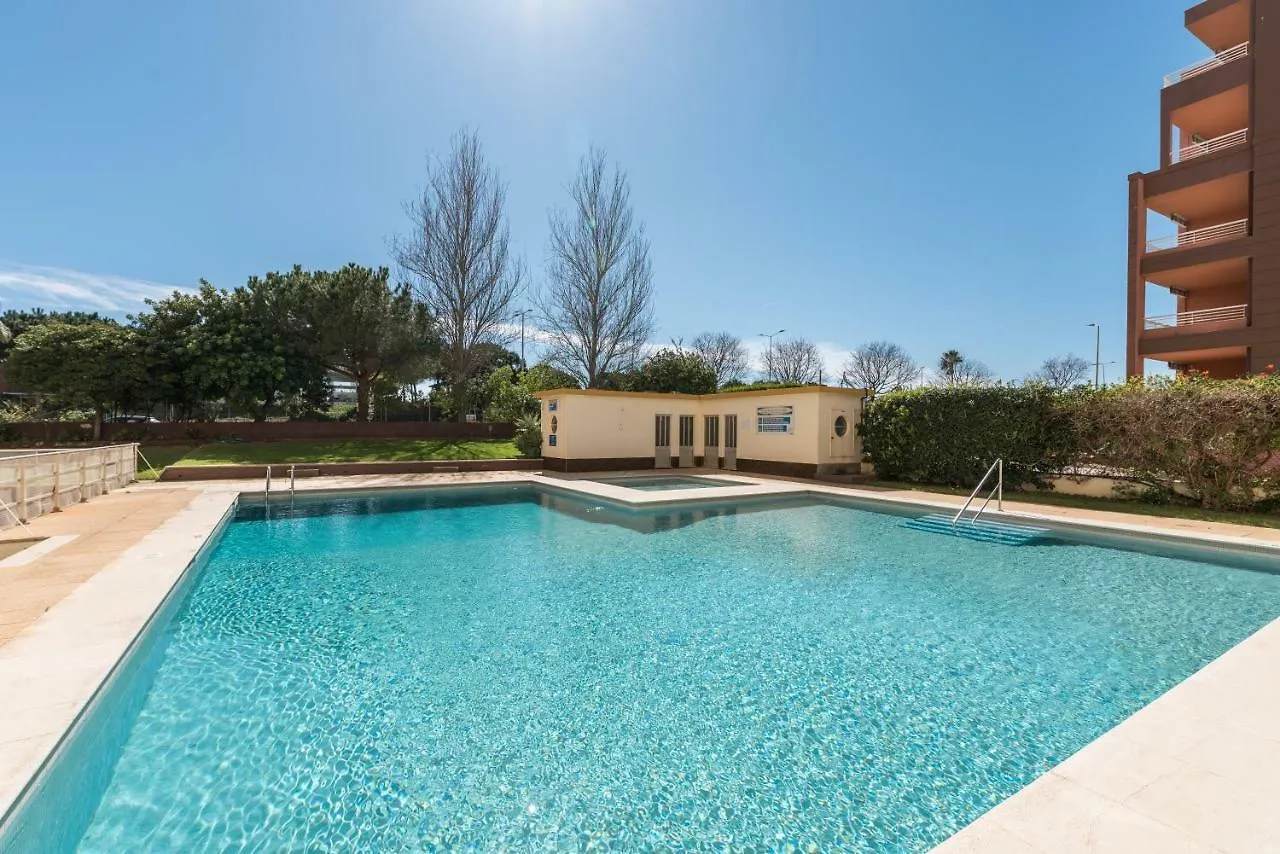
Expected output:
{"points": [[362, 399], [460, 399], [97, 423]]}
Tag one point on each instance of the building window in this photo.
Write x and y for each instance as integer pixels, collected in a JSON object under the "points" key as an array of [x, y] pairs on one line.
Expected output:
{"points": [[842, 425], [662, 431], [686, 431], [731, 431], [711, 431]]}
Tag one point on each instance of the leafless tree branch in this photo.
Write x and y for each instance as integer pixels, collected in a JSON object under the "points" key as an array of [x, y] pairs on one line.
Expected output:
{"points": [[1063, 372], [879, 367], [459, 260], [725, 354], [597, 310], [793, 361]]}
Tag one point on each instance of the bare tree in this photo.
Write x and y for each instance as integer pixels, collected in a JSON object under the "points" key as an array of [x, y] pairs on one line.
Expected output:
{"points": [[1063, 372], [879, 367], [458, 257], [971, 372], [793, 361], [597, 311], [724, 352]]}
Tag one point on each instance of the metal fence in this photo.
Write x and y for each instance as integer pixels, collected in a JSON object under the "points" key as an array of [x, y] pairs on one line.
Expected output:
{"points": [[35, 482]]}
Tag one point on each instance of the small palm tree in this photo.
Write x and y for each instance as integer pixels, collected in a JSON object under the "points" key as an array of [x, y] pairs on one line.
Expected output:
{"points": [[948, 363]]}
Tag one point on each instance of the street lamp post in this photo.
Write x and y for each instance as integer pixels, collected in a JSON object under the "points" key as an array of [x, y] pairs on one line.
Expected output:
{"points": [[768, 359], [1097, 355], [521, 314]]}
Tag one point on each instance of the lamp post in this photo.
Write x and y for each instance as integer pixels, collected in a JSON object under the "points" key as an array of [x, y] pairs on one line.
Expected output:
{"points": [[1097, 355], [521, 314], [768, 359]]}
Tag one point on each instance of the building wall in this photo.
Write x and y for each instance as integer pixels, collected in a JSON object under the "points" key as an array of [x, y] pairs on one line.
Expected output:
{"points": [[620, 426], [1265, 129]]}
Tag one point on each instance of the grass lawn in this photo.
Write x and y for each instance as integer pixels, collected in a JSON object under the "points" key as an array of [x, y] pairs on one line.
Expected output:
{"points": [[1115, 505], [324, 451]]}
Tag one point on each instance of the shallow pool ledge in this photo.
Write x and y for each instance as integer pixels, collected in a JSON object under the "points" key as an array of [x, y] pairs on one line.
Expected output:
{"points": [[1198, 769], [52, 670]]}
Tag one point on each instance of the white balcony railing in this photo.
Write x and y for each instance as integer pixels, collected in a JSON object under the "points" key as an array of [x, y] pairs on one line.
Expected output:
{"points": [[1195, 237], [1229, 55], [1204, 315], [1211, 146]]}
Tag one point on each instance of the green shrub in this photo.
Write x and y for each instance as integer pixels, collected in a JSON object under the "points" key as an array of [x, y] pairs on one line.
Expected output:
{"points": [[1214, 439], [759, 385], [952, 434], [528, 438]]}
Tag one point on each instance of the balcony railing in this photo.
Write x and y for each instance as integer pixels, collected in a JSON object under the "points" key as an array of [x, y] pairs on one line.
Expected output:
{"points": [[1195, 237], [1211, 146], [1229, 55], [1204, 315]]}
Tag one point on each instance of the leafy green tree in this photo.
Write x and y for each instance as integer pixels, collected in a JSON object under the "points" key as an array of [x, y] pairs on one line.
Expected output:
{"points": [[256, 348], [172, 354], [366, 329], [93, 365], [489, 359], [511, 395], [675, 370], [17, 322]]}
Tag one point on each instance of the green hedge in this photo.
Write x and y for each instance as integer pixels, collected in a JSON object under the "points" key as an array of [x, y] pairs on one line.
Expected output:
{"points": [[951, 435]]}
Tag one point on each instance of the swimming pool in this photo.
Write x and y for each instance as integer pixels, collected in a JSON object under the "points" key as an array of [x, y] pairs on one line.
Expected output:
{"points": [[653, 483], [495, 667]]}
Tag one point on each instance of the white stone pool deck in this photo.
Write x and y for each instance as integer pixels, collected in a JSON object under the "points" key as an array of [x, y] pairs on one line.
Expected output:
{"points": [[1196, 770]]}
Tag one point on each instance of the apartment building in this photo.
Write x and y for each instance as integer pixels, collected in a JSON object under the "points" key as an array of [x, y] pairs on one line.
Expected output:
{"points": [[1218, 191]]}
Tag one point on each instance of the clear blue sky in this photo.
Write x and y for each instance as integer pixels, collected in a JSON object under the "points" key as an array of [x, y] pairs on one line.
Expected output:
{"points": [[934, 172]]}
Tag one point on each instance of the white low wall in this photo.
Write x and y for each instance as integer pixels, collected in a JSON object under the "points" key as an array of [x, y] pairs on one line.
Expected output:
{"points": [[35, 482]]}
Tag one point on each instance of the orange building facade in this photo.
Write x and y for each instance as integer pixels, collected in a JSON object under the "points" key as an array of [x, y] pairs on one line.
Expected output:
{"points": [[1218, 187]]}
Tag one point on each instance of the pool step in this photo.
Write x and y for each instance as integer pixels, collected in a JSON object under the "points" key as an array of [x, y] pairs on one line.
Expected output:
{"points": [[981, 530]]}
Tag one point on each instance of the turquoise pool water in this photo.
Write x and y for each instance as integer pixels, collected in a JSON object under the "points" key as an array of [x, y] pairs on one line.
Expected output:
{"points": [[508, 669], [654, 483]]}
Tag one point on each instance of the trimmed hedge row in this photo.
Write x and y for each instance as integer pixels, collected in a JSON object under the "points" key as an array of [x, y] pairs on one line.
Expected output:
{"points": [[951, 434], [1215, 440]]}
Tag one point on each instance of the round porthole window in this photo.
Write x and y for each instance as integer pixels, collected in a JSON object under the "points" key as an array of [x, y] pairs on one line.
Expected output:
{"points": [[842, 425], [555, 423]]}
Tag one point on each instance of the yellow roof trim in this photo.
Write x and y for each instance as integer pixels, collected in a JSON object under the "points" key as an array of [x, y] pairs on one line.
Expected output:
{"points": [[599, 392]]}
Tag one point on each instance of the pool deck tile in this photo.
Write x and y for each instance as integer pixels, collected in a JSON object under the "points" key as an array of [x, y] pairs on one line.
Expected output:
{"points": [[1196, 770]]}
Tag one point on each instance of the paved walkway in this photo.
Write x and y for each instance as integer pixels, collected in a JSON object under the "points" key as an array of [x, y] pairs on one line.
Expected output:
{"points": [[104, 529]]}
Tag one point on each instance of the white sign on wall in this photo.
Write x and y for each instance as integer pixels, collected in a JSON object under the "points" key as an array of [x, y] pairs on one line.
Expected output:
{"points": [[774, 419]]}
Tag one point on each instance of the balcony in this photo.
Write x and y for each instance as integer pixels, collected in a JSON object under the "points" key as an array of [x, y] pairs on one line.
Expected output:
{"points": [[1220, 23], [1210, 146], [1216, 61], [1200, 236], [1206, 319]]}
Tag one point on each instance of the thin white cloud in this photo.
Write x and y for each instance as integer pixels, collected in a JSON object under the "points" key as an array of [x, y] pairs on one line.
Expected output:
{"points": [[28, 286]]}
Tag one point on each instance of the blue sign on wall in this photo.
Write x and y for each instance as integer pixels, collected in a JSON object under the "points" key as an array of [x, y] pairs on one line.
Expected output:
{"points": [[551, 440]]}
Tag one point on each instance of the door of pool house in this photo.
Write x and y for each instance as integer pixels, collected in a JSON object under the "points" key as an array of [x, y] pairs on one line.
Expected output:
{"points": [[841, 434], [731, 442], [686, 441], [711, 441], [662, 441]]}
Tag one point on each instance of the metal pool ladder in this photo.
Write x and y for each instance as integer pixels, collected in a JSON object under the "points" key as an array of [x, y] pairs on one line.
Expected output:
{"points": [[997, 468]]}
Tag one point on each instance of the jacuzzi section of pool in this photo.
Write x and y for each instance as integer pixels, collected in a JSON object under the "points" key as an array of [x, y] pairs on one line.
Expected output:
{"points": [[657, 483], [494, 669]]}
